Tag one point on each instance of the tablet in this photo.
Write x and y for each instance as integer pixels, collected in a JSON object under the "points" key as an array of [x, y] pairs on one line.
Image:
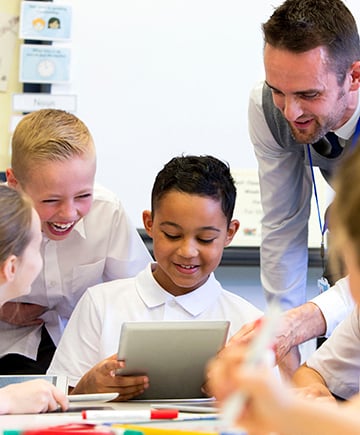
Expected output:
{"points": [[92, 397], [60, 382], [173, 354], [201, 407]]}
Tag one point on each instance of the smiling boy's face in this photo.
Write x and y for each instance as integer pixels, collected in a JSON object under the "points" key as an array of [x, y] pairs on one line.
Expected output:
{"points": [[62, 192], [189, 234]]}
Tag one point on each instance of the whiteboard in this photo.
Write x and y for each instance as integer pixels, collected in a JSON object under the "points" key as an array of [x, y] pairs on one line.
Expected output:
{"points": [[157, 78]]}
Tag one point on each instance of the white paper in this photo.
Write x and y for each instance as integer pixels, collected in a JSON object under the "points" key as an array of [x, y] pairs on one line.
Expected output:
{"points": [[44, 64], [248, 209], [45, 21]]}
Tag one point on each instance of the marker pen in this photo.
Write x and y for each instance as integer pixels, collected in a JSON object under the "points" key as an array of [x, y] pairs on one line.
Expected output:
{"points": [[130, 415]]}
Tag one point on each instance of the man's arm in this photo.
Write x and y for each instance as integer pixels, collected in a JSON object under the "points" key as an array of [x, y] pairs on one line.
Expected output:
{"points": [[335, 304], [297, 326], [286, 187]]}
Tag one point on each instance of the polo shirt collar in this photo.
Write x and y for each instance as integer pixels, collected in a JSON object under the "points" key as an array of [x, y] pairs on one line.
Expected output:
{"points": [[194, 302]]}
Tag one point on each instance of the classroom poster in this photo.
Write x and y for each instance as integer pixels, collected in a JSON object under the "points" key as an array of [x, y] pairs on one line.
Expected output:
{"points": [[44, 64], [8, 37], [45, 21], [248, 209]]}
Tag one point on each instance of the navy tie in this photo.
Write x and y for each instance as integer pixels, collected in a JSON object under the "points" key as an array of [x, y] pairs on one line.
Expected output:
{"points": [[336, 148]]}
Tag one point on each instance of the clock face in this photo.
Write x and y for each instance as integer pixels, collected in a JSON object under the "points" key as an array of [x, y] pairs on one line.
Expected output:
{"points": [[46, 68]]}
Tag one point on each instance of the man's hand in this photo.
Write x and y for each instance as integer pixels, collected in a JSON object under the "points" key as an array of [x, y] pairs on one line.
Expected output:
{"points": [[22, 314], [295, 327], [287, 357], [282, 343]]}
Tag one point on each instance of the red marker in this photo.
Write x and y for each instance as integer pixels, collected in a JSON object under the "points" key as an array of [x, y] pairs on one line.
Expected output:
{"points": [[130, 415]]}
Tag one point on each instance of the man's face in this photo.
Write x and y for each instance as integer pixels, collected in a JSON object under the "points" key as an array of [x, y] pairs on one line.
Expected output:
{"points": [[306, 92]]}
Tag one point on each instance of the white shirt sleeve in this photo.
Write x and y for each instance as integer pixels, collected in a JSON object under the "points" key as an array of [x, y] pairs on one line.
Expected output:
{"points": [[79, 346], [337, 360], [335, 304], [286, 188]]}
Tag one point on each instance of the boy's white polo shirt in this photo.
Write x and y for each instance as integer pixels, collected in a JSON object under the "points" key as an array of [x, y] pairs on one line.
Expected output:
{"points": [[93, 331]]}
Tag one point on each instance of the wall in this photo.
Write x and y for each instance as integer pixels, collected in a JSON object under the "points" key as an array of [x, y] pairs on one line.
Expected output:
{"points": [[11, 7], [157, 78]]}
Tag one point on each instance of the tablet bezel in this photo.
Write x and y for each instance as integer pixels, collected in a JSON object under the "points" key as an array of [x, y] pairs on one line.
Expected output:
{"points": [[173, 341], [59, 381]]}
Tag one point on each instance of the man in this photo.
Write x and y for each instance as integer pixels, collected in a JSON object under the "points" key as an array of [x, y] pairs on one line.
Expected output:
{"points": [[311, 88], [312, 68]]}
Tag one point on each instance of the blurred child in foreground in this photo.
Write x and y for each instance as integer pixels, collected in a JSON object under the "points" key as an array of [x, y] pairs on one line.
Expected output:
{"points": [[272, 407]]}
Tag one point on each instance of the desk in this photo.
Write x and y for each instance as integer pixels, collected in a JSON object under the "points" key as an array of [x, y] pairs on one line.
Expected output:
{"points": [[53, 418], [33, 421]]}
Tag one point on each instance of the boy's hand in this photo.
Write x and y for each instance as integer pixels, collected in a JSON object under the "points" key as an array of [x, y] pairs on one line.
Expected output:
{"points": [[22, 314], [102, 378]]}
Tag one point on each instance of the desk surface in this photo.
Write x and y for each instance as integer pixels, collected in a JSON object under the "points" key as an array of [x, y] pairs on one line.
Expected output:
{"points": [[52, 418], [34, 421]]}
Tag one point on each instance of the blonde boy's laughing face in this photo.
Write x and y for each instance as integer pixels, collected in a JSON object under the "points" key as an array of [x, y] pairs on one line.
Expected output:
{"points": [[62, 192]]}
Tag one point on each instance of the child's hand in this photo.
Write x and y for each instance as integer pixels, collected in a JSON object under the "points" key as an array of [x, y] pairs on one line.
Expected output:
{"points": [[221, 370], [22, 314], [102, 378], [33, 396]]}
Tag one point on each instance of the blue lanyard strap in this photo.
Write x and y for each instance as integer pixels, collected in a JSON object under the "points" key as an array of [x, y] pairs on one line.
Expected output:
{"points": [[324, 227]]}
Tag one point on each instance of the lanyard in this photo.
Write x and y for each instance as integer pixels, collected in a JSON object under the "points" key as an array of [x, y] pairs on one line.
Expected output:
{"points": [[323, 226]]}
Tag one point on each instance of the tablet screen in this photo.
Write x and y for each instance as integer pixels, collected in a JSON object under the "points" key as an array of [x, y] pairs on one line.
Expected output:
{"points": [[172, 354]]}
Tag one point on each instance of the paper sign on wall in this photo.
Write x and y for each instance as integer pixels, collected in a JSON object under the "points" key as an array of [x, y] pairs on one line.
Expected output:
{"points": [[45, 21], [44, 64], [249, 211]]}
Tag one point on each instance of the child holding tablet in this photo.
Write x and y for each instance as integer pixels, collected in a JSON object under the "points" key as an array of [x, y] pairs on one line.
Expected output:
{"points": [[190, 222]]}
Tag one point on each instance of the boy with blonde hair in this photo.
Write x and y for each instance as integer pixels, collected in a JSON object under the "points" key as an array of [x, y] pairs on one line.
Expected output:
{"points": [[87, 236]]}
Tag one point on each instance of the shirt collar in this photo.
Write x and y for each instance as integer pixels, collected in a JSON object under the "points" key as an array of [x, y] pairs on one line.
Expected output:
{"points": [[80, 228], [194, 303], [348, 129]]}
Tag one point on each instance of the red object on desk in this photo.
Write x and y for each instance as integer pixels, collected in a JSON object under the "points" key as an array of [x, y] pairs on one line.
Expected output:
{"points": [[69, 429], [134, 415]]}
